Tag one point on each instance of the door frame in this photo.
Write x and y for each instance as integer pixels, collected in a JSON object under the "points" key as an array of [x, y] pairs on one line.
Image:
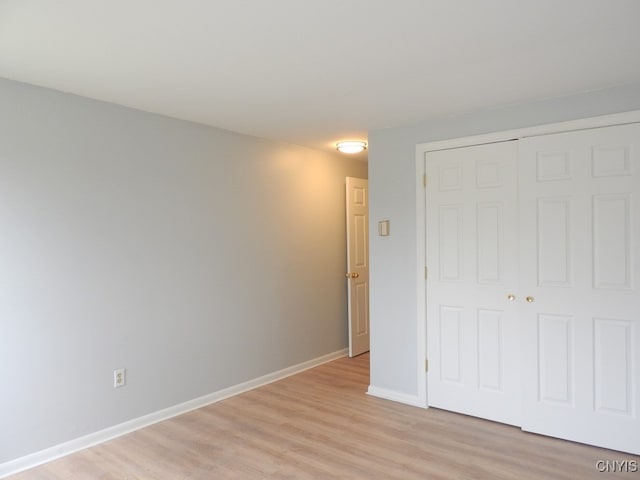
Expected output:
{"points": [[421, 264]]}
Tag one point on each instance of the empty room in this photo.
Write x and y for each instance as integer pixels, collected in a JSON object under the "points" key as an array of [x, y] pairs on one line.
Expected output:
{"points": [[319, 239]]}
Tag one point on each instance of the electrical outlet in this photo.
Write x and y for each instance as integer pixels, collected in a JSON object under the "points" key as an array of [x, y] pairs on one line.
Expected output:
{"points": [[119, 378]]}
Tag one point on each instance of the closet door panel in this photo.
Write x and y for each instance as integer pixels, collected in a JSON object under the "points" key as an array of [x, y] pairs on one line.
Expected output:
{"points": [[473, 332], [579, 227]]}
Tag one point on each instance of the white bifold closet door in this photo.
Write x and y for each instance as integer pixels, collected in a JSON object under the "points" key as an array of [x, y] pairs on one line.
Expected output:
{"points": [[580, 266], [533, 304]]}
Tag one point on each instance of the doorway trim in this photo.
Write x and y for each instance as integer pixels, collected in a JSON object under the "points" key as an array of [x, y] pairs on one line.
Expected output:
{"points": [[421, 264]]}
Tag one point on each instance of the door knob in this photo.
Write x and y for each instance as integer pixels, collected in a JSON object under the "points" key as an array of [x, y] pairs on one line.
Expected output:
{"points": [[511, 297], [529, 299], [352, 275]]}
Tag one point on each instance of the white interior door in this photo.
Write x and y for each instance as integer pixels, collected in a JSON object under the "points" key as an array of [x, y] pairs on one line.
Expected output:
{"points": [[580, 266], [472, 329], [358, 264]]}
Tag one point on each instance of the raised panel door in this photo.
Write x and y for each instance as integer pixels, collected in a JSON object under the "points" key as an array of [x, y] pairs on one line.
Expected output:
{"points": [[580, 266], [472, 330]]}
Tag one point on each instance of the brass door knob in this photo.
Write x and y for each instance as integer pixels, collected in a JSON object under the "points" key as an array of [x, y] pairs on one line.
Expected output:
{"points": [[529, 299], [352, 275], [511, 297]]}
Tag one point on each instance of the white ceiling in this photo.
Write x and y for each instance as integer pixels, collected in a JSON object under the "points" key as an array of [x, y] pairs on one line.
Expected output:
{"points": [[313, 72]]}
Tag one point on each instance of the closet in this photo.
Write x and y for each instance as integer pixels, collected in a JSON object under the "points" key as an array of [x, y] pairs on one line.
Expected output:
{"points": [[532, 297]]}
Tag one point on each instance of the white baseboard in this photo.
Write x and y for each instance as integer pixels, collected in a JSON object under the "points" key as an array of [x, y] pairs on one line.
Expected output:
{"points": [[412, 400], [38, 458]]}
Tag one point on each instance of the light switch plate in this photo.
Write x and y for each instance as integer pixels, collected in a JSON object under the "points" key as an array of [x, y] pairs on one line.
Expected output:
{"points": [[383, 228]]}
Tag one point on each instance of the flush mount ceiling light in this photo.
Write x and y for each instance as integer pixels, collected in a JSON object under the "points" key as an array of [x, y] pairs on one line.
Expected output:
{"points": [[351, 146]]}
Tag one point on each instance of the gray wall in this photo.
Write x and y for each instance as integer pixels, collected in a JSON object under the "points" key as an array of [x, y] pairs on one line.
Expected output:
{"points": [[392, 179], [196, 258]]}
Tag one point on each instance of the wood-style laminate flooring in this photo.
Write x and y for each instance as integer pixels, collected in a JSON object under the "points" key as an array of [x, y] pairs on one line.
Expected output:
{"points": [[320, 424]]}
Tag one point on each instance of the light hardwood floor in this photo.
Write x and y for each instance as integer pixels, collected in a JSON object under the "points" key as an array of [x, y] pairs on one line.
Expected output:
{"points": [[320, 424]]}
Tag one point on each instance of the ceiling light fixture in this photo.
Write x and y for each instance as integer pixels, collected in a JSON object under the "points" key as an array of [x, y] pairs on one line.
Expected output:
{"points": [[351, 146]]}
